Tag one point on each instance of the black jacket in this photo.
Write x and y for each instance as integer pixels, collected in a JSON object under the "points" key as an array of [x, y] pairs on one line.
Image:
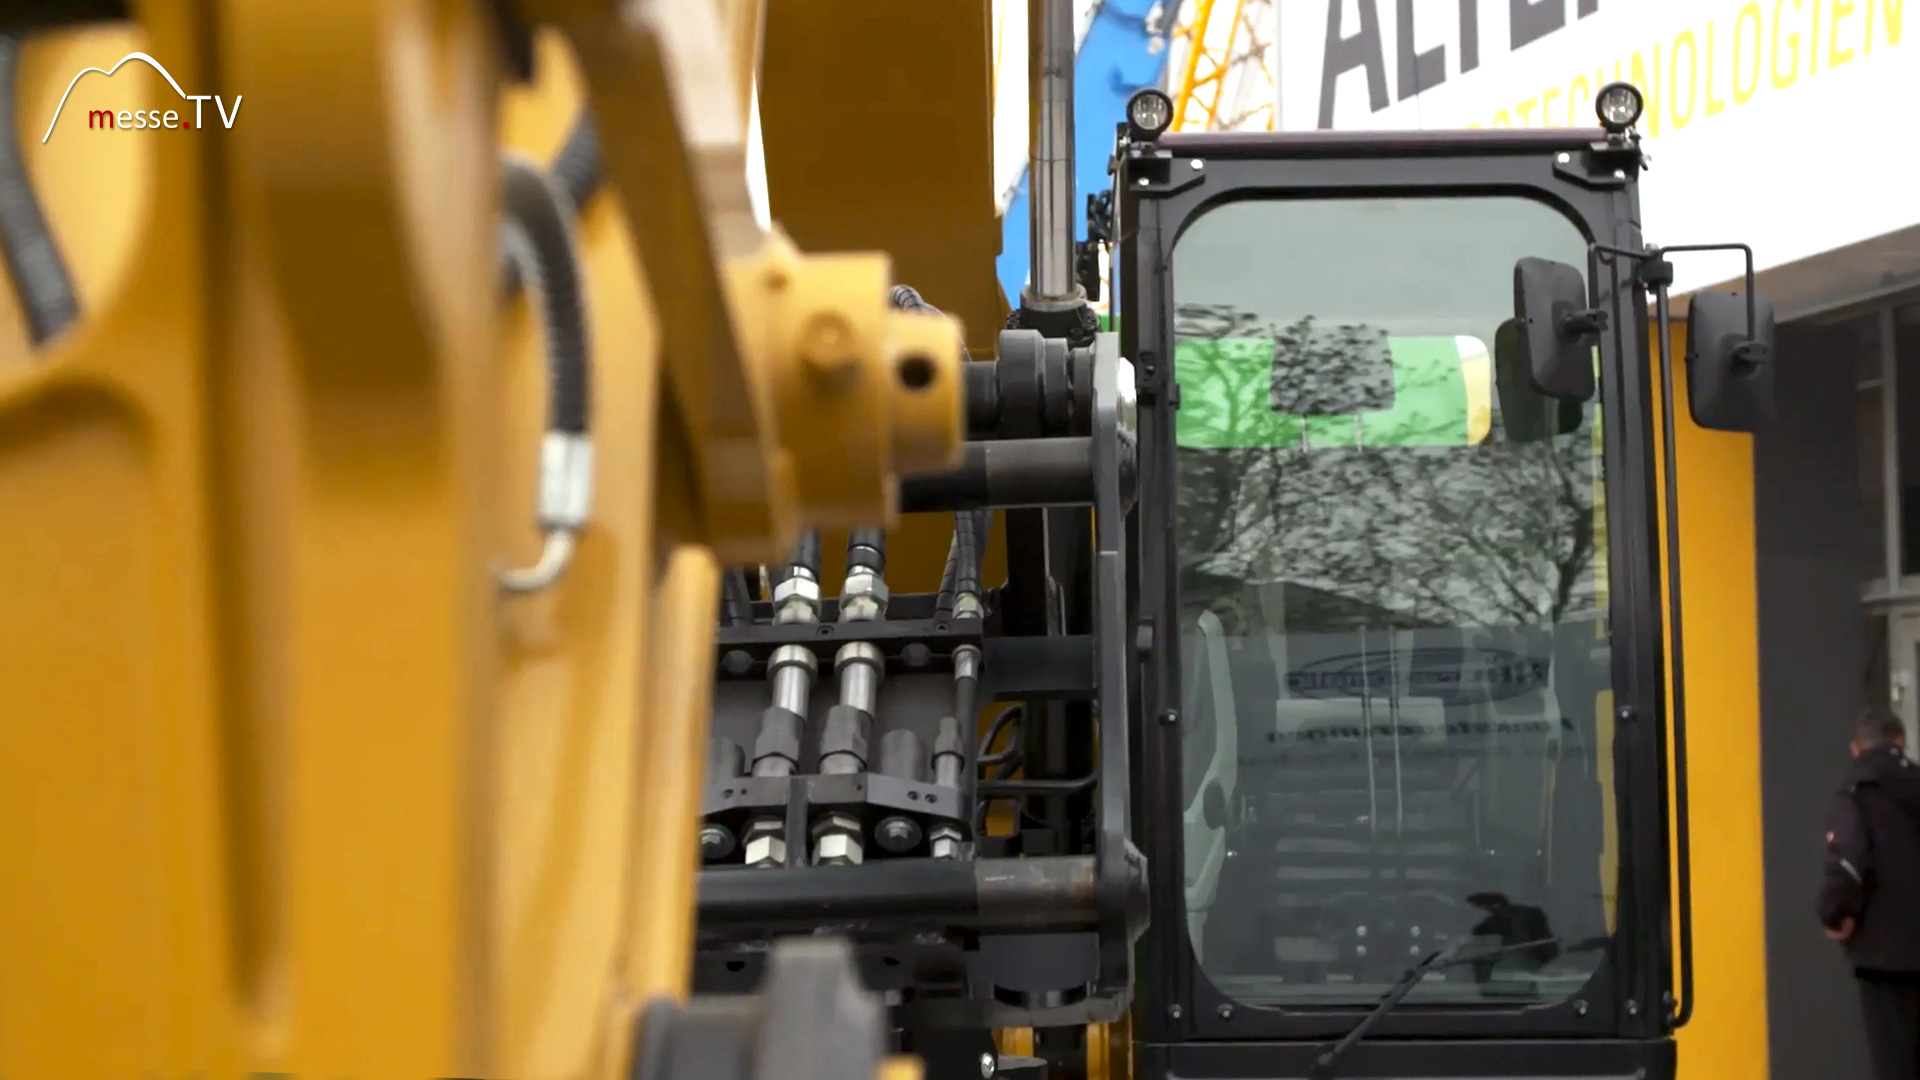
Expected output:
{"points": [[1873, 861]]}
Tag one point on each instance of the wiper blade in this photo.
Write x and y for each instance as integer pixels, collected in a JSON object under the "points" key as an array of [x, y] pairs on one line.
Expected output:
{"points": [[1464, 953]]}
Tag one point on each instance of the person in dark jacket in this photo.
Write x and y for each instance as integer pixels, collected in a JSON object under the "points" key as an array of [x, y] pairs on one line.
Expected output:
{"points": [[1870, 898]]}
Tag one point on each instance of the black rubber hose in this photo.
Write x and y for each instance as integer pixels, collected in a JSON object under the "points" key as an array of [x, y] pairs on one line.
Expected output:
{"points": [[577, 169], [908, 298], [943, 603], [577, 166], [40, 277], [1008, 715], [539, 236], [736, 602], [806, 554], [867, 548], [969, 534]]}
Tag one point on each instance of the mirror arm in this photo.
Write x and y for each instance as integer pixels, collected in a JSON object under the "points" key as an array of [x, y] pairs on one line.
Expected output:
{"points": [[1579, 324], [1682, 818]]}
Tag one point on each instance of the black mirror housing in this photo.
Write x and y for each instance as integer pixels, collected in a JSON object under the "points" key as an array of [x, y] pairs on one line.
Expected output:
{"points": [[1730, 383], [1526, 414], [1557, 328]]}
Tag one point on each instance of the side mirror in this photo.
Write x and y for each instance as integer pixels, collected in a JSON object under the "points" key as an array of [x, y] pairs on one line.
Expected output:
{"points": [[1526, 415], [1558, 330], [1730, 361]]}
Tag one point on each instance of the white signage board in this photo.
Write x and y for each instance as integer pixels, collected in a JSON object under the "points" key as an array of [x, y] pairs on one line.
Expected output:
{"points": [[1791, 125]]}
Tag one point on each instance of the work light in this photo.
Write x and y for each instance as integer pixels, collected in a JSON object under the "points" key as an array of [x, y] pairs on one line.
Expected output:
{"points": [[1619, 105], [1149, 112]]}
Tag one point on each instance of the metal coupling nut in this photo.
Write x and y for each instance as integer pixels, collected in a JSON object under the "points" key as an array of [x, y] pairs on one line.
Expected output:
{"points": [[796, 599], [566, 481], [863, 598]]}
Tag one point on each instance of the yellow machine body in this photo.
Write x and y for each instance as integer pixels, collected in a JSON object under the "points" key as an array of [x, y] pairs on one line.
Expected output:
{"points": [[295, 789]]}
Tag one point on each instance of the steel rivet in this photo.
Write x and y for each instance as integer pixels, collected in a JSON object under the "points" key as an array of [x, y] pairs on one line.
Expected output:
{"points": [[1198, 164], [1225, 1011], [989, 1064], [1173, 1011], [1564, 158]]}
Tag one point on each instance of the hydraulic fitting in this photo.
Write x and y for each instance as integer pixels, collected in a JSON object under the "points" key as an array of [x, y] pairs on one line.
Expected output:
{"points": [[791, 668], [863, 598], [797, 599]]}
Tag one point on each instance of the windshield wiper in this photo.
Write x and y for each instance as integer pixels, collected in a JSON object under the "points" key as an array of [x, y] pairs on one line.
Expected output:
{"points": [[1463, 953]]}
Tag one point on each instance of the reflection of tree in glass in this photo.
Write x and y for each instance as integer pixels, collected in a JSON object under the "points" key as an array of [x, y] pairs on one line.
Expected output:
{"points": [[1392, 510]]}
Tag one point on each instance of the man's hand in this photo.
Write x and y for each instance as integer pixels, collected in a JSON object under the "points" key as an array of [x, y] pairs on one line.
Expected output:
{"points": [[1841, 932]]}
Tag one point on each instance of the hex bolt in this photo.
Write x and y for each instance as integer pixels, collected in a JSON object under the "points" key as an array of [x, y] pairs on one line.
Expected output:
{"points": [[716, 842], [766, 843], [946, 840], [898, 835], [837, 841]]}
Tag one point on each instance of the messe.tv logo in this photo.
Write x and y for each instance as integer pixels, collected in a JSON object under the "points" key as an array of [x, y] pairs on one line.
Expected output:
{"points": [[143, 119]]}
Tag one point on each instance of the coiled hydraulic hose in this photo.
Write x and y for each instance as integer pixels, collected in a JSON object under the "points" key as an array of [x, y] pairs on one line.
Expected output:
{"points": [[537, 236], [40, 277]]}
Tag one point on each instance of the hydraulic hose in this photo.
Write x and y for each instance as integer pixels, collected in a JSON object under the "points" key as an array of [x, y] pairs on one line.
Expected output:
{"points": [[40, 276], [736, 602], [969, 538], [806, 556], [969, 526], [537, 237], [577, 170], [867, 549], [577, 166]]}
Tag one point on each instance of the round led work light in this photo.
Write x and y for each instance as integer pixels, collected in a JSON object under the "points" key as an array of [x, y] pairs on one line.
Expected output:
{"points": [[1618, 105], [1148, 113]]}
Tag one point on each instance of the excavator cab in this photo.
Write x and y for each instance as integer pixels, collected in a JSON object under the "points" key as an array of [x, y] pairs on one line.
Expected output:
{"points": [[1402, 729]]}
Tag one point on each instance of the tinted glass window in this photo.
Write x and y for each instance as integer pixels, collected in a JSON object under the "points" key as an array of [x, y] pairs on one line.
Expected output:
{"points": [[1393, 608]]}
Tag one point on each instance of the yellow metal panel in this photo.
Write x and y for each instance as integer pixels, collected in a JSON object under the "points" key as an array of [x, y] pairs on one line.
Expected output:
{"points": [[569, 660], [877, 119], [1726, 1037]]}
